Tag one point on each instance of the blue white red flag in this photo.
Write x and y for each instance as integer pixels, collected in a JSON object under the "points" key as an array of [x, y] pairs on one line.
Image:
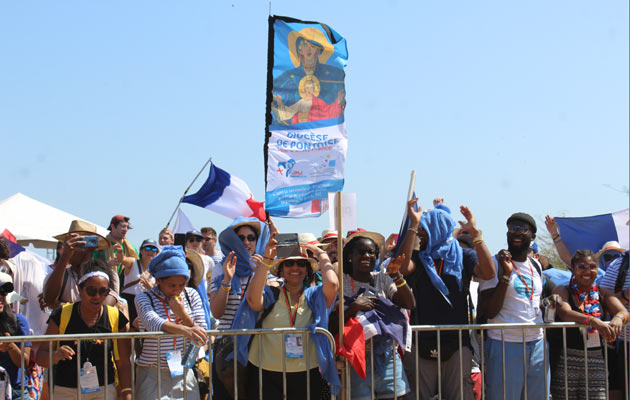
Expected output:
{"points": [[592, 232], [306, 141], [227, 195], [14, 247]]}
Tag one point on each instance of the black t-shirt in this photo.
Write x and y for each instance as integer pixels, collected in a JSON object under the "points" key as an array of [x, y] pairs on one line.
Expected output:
{"points": [[432, 308], [91, 350]]}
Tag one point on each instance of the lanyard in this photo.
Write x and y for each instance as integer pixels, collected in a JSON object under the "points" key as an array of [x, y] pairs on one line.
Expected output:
{"points": [[292, 315], [439, 272], [531, 296], [169, 318]]}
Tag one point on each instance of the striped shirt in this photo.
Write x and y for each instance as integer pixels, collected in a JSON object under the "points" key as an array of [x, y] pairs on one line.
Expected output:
{"points": [[153, 316], [610, 279], [233, 301]]}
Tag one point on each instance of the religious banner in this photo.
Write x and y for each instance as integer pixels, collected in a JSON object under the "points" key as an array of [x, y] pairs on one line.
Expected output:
{"points": [[306, 140]]}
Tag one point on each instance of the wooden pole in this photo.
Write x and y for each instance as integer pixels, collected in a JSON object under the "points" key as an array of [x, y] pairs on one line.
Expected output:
{"points": [[338, 209]]}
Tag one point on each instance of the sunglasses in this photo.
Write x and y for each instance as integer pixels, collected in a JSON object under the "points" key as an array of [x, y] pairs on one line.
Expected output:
{"points": [[249, 238], [6, 289], [207, 239], [195, 239], [93, 292], [583, 266], [513, 228], [300, 263], [152, 249]]}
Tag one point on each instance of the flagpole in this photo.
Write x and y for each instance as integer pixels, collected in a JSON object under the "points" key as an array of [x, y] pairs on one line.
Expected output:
{"points": [[338, 214], [186, 191]]}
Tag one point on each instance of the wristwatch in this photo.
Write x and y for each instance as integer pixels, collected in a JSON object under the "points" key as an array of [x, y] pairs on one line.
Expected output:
{"points": [[505, 279]]}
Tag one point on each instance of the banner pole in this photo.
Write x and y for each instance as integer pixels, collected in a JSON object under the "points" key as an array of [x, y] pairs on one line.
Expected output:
{"points": [[186, 191], [412, 185], [338, 210]]}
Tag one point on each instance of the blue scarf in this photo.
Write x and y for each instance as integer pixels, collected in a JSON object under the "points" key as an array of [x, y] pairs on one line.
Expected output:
{"points": [[441, 246], [229, 241], [246, 318]]}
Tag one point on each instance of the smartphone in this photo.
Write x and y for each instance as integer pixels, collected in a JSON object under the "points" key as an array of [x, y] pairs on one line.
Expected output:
{"points": [[288, 245], [91, 242]]}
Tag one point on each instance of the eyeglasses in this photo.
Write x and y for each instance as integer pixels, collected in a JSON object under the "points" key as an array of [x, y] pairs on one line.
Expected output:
{"points": [[195, 239], [249, 238], [6, 289], [93, 292], [300, 263], [152, 249], [207, 239], [583, 266], [513, 228]]}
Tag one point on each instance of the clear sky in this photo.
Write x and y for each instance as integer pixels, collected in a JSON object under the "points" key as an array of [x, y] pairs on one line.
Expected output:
{"points": [[112, 107]]}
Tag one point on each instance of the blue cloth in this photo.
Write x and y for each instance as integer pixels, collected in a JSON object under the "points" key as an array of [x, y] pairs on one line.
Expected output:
{"points": [[246, 318], [170, 262], [562, 277], [514, 385], [592, 232], [201, 289], [5, 360], [229, 241], [442, 246]]}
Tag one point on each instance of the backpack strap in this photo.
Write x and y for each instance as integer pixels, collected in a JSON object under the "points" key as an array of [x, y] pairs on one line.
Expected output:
{"points": [[114, 315], [623, 272], [66, 313], [537, 265]]}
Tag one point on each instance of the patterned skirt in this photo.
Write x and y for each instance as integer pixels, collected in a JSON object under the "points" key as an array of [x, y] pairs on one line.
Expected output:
{"points": [[576, 376]]}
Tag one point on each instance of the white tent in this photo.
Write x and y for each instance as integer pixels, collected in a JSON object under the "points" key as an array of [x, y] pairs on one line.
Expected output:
{"points": [[33, 222]]}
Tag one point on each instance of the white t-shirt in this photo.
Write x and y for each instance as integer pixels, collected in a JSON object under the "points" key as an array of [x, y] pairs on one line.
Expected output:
{"points": [[133, 276], [519, 305], [383, 285]]}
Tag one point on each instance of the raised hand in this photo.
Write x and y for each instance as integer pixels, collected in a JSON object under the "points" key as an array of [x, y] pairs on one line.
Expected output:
{"points": [[505, 259], [229, 267], [394, 264], [470, 225], [552, 225], [414, 215]]}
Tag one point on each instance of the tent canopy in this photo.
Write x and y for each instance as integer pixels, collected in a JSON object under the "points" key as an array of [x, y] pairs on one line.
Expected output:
{"points": [[36, 223]]}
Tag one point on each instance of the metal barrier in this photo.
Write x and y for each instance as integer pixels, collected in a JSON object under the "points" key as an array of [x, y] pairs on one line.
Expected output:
{"points": [[281, 331], [133, 336]]}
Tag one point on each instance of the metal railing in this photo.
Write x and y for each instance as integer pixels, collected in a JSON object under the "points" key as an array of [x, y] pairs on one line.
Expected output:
{"points": [[460, 329]]}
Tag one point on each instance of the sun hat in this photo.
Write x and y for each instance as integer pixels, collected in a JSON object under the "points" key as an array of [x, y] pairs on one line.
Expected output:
{"points": [[11, 297], [375, 236], [252, 224], [523, 217], [170, 262], [328, 234], [610, 246], [308, 238], [84, 228], [197, 265], [275, 266]]}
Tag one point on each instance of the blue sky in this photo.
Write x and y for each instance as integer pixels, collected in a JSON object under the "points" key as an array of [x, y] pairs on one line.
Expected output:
{"points": [[112, 107]]}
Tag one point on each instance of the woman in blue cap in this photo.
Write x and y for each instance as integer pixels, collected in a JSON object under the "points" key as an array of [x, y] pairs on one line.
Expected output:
{"points": [[174, 308]]}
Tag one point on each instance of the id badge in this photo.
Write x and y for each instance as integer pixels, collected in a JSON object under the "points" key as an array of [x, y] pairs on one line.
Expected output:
{"points": [[3, 388], [532, 312], [89, 379], [293, 345], [592, 339], [174, 361]]}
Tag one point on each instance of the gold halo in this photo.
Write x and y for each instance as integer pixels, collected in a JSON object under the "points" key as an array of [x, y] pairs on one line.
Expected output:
{"points": [[304, 81], [310, 34]]}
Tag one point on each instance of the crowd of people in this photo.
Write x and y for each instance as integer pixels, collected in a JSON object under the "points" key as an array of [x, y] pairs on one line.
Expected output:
{"points": [[433, 272]]}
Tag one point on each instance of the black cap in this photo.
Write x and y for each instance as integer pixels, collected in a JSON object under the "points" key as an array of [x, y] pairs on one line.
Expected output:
{"points": [[194, 232], [519, 216], [148, 242]]}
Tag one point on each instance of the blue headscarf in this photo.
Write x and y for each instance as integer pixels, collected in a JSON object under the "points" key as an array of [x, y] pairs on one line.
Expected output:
{"points": [[229, 241], [442, 246], [170, 262]]}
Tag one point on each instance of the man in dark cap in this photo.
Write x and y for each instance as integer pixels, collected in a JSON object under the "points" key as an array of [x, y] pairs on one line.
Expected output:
{"points": [[513, 296]]}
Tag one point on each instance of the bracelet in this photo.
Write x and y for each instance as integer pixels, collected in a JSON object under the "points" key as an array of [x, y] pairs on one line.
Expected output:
{"points": [[226, 288], [557, 239], [477, 240], [587, 320], [413, 229], [402, 284], [226, 284], [505, 279], [126, 390], [621, 317], [267, 265]]}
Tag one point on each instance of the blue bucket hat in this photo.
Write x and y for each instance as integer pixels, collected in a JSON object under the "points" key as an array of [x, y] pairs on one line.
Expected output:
{"points": [[170, 262]]}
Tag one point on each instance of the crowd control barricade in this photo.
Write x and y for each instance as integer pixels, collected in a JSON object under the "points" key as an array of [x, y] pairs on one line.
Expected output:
{"points": [[481, 332], [51, 341]]}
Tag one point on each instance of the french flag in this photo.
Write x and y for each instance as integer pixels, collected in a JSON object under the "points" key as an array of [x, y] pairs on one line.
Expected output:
{"points": [[14, 247], [227, 195], [592, 232]]}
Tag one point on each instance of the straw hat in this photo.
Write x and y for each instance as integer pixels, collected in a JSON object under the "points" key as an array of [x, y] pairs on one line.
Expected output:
{"points": [[375, 236], [610, 246], [308, 238], [197, 264], [276, 263], [252, 224], [328, 234], [84, 229]]}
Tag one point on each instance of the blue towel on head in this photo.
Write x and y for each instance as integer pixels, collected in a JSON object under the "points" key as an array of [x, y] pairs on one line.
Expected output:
{"points": [[441, 246], [229, 241]]}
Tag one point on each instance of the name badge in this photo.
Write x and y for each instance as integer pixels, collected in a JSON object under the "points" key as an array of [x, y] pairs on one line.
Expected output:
{"points": [[89, 378], [293, 345], [3, 388], [174, 361]]}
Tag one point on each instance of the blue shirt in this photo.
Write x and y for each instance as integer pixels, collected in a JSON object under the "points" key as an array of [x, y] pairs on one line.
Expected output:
{"points": [[5, 360]]}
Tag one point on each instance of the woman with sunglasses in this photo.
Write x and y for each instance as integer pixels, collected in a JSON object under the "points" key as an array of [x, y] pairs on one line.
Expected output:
{"points": [[12, 324], [173, 308], [136, 277], [584, 303], [296, 304], [89, 315]]}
